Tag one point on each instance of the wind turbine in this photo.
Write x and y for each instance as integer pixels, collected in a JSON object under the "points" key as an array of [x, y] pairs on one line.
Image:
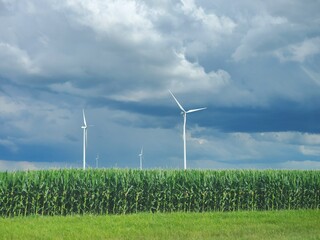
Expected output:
{"points": [[184, 113], [141, 157], [97, 160], [85, 138]]}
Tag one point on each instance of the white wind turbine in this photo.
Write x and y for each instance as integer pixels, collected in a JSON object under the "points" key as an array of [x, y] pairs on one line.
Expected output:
{"points": [[184, 113], [97, 160], [141, 157], [85, 138]]}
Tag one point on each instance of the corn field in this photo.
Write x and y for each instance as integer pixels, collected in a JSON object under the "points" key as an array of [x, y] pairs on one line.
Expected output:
{"points": [[115, 191]]}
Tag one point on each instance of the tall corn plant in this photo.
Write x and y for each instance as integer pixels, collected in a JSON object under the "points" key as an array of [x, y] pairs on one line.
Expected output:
{"points": [[114, 191]]}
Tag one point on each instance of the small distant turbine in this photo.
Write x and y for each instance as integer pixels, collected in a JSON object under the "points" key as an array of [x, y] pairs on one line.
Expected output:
{"points": [[97, 160], [85, 138], [141, 157], [184, 113]]}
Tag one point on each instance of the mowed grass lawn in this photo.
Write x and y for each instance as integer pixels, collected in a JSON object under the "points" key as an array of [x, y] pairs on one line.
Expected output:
{"points": [[300, 224]]}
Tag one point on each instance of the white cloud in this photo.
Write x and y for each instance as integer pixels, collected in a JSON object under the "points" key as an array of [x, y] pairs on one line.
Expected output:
{"points": [[9, 106], [17, 165], [301, 140], [201, 29], [6, 165], [306, 165], [211, 22], [9, 144], [68, 88], [287, 165], [252, 149], [299, 52], [128, 20], [26, 120], [310, 139], [261, 32], [266, 20], [186, 76], [309, 150], [16, 61], [181, 76]]}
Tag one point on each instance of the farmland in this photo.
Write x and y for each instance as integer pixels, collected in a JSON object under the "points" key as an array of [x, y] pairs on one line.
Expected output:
{"points": [[115, 191]]}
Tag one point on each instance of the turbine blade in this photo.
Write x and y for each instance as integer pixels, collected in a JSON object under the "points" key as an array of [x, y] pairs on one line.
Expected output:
{"points": [[84, 118], [177, 102], [195, 110]]}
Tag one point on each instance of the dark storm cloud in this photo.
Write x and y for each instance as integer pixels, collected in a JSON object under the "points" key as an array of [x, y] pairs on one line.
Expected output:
{"points": [[281, 117]]}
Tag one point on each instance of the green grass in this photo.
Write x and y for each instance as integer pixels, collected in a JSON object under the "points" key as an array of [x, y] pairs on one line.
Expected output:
{"points": [[299, 224]]}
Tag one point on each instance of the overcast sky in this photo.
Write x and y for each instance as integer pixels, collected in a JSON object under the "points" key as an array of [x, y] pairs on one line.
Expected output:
{"points": [[253, 64]]}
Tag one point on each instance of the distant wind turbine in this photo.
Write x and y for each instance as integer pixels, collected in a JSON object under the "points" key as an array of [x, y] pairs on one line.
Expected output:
{"points": [[184, 113], [97, 160], [85, 138], [141, 157]]}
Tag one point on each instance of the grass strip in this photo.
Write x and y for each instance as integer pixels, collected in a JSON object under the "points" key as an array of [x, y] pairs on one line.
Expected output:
{"points": [[299, 224]]}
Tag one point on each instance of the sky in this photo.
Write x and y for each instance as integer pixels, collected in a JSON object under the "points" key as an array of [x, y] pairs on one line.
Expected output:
{"points": [[253, 64]]}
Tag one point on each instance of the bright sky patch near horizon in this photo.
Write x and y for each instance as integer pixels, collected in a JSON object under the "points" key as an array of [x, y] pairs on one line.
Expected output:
{"points": [[254, 65]]}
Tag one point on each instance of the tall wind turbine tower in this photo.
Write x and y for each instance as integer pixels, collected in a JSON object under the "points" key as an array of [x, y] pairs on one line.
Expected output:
{"points": [[184, 113], [85, 138], [141, 157]]}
